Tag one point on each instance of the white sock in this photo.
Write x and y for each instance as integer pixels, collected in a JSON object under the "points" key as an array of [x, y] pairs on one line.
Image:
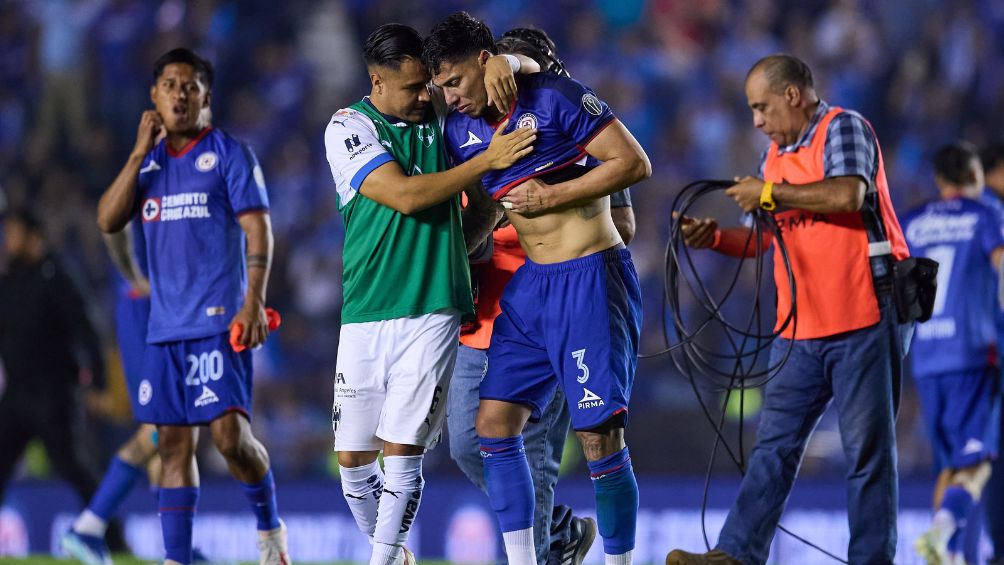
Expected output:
{"points": [[89, 523], [384, 554], [402, 493], [944, 523], [519, 547], [622, 559], [362, 487]]}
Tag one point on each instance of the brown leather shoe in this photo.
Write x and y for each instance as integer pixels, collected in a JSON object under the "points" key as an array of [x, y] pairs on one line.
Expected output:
{"points": [[713, 557]]}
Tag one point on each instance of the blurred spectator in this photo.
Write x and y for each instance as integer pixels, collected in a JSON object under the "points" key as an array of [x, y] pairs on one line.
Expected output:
{"points": [[44, 322]]}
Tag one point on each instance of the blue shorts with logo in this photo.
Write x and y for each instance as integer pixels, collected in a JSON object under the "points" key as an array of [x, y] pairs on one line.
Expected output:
{"points": [[131, 317], [193, 382], [576, 324], [962, 412]]}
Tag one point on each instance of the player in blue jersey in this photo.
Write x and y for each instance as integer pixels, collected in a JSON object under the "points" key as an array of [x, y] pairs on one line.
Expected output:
{"points": [[993, 196], [953, 356], [571, 316], [201, 198]]}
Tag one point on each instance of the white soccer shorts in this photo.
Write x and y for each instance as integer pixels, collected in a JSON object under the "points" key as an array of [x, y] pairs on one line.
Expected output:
{"points": [[391, 381]]}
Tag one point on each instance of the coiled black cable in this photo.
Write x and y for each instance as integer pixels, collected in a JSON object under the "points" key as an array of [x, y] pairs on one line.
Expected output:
{"points": [[746, 344]]}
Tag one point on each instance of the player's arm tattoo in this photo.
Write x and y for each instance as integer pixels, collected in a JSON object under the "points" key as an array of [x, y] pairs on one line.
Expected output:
{"points": [[256, 261]]}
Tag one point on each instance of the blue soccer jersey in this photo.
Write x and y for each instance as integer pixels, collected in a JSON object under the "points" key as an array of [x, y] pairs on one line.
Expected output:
{"points": [[995, 203], [960, 234], [189, 202], [567, 116]]}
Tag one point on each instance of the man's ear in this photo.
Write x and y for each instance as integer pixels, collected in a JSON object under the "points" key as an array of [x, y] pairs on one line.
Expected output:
{"points": [[483, 57], [153, 98], [792, 96], [208, 99]]}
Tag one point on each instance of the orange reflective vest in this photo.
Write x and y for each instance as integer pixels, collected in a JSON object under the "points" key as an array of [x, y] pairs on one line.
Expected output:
{"points": [[488, 280], [829, 252]]}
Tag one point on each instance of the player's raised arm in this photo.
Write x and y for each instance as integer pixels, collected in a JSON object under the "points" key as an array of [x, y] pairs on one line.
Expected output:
{"points": [[389, 185], [117, 203]]}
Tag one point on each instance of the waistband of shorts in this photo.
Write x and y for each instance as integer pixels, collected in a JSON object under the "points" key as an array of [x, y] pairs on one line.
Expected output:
{"points": [[591, 261]]}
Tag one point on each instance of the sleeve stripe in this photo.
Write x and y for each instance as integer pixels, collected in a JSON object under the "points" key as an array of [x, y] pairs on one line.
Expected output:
{"points": [[251, 210], [362, 173], [599, 128]]}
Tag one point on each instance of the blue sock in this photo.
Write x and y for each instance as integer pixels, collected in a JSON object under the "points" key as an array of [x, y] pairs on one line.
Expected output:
{"points": [[177, 511], [262, 498], [507, 480], [959, 502], [616, 501], [115, 486]]}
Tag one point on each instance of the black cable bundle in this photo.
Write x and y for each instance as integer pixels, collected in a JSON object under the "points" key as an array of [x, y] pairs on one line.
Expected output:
{"points": [[746, 344]]}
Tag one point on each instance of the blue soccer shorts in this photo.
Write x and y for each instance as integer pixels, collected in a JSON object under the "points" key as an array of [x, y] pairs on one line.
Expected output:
{"points": [[962, 412], [193, 382], [576, 324], [131, 317]]}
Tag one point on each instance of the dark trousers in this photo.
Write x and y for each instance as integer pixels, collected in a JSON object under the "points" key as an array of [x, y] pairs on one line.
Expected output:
{"points": [[860, 372], [56, 418]]}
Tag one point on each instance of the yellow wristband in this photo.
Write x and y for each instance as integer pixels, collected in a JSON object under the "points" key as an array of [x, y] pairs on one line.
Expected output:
{"points": [[767, 197]]}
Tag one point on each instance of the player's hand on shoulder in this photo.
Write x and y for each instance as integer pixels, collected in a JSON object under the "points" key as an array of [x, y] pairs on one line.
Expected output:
{"points": [[698, 233], [150, 126], [528, 197], [254, 322], [500, 82], [507, 148]]}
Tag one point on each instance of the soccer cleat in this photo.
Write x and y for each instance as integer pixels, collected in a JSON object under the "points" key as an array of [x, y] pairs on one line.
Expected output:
{"points": [[90, 550], [713, 557], [273, 546], [932, 547], [581, 537]]}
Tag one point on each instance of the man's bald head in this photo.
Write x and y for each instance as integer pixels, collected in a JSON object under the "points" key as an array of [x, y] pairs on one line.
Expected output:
{"points": [[783, 70]]}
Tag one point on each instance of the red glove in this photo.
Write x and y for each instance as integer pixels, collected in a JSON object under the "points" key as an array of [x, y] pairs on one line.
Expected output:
{"points": [[274, 321]]}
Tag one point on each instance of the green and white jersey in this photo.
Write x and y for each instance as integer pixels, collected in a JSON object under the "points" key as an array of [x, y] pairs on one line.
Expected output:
{"points": [[394, 265]]}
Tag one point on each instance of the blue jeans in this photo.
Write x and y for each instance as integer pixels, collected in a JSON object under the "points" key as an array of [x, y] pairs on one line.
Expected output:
{"points": [[544, 440], [861, 371]]}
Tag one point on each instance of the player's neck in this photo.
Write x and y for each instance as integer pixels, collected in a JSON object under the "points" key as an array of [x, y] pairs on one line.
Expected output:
{"points": [[493, 114], [178, 140]]}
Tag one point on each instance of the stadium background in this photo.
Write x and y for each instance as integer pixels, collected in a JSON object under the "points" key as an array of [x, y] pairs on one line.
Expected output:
{"points": [[74, 78]]}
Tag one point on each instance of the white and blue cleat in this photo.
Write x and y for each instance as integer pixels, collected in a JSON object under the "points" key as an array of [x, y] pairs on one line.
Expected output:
{"points": [[89, 550]]}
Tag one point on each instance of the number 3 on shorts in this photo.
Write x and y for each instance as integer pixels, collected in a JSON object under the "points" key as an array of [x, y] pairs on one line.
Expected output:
{"points": [[579, 355]]}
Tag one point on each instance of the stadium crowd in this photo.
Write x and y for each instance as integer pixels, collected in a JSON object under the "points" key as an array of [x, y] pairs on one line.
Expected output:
{"points": [[74, 76]]}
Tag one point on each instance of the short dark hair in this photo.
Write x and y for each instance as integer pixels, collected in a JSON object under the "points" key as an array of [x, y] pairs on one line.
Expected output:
{"points": [[781, 70], [953, 163], [391, 44], [27, 217], [993, 156], [456, 38], [539, 42], [185, 56]]}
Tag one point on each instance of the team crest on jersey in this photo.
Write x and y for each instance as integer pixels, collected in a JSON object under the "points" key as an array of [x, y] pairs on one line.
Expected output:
{"points": [[206, 162], [427, 134], [527, 120], [592, 104], [151, 210]]}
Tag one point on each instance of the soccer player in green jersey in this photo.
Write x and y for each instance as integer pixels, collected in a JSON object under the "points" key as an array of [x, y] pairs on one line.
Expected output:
{"points": [[406, 279]]}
